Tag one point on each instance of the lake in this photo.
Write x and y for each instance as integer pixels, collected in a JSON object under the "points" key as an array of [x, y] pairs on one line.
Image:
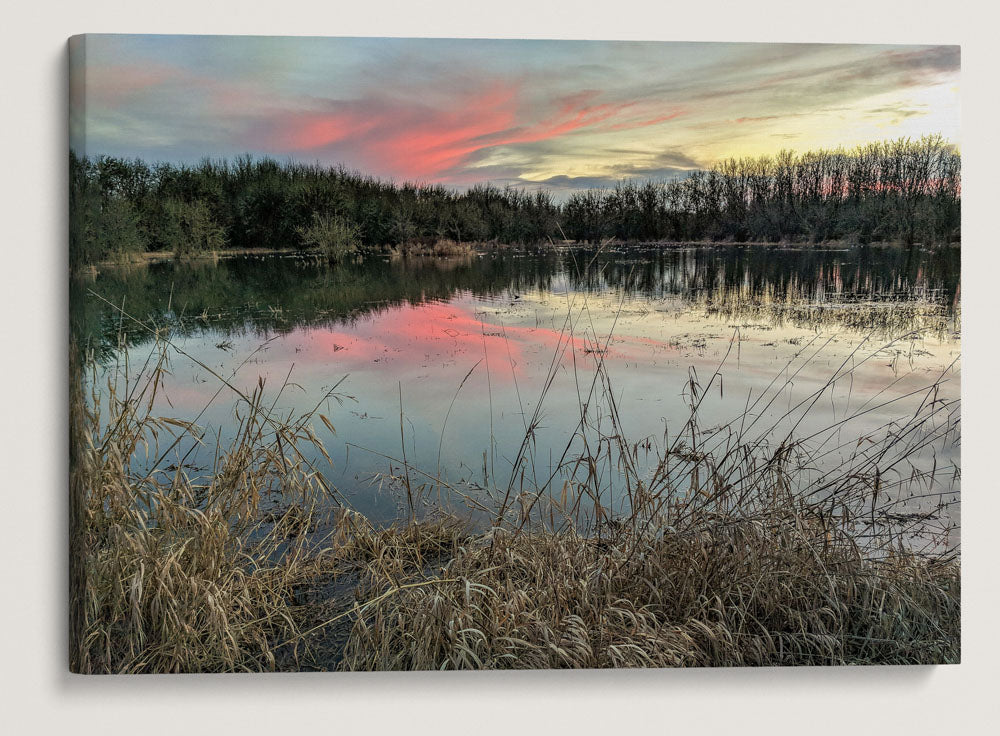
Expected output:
{"points": [[440, 368]]}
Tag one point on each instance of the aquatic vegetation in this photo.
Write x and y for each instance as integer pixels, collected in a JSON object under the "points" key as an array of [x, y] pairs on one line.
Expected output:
{"points": [[882, 314], [333, 237], [734, 551]]}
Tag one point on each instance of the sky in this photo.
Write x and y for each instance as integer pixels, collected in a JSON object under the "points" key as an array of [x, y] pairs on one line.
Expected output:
{"points": [[559, 114]]}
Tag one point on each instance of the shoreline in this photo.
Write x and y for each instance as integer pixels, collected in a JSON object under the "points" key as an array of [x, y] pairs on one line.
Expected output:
{"points": [[463, 248]]}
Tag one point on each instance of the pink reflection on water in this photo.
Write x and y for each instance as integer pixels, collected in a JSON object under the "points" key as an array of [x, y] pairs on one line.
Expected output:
{"points": [[418, 335]]}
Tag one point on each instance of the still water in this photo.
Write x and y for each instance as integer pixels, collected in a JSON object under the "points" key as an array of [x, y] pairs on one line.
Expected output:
{"points": [[453, 361]]}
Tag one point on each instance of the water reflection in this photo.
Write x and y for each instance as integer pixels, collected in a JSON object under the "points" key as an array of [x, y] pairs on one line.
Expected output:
{"points": [[263, 294], [468, 353]]}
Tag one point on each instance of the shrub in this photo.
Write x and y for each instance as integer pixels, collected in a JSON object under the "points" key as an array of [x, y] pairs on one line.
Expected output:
{"points": [[333, 236], [117, 233], [190, 228]]}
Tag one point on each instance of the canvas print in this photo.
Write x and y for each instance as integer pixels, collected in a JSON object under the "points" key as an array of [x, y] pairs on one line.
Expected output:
{"points": [[422, 354]]}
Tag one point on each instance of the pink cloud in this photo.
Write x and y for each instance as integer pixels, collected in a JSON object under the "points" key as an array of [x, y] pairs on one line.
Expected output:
{"points": [[412, 140], [429, 133]]}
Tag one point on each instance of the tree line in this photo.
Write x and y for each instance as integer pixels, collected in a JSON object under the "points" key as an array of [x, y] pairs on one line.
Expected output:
{"points": [[906, 191]]}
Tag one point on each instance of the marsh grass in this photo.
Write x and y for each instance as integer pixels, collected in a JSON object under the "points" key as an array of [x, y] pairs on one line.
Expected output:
{"points": [[435, 247], [173, 572], [905, 312], [735, 550], [720, 591]]}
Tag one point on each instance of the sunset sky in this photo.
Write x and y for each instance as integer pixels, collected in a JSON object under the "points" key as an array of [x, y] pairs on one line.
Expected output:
{"points": [[568, 114]]}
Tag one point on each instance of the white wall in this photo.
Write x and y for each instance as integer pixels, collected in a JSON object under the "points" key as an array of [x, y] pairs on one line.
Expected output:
{"points": [[38, 695]]}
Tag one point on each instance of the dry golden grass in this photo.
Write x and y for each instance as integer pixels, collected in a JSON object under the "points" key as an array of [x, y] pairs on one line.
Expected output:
{"points": [[171, 574], [723, 592], [433, 247]]}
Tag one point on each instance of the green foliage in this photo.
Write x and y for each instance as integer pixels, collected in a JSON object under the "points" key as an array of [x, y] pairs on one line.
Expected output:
{"points": [[905, 191], [333, 236], [190, 229], [102, 228], [117, 231]]}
